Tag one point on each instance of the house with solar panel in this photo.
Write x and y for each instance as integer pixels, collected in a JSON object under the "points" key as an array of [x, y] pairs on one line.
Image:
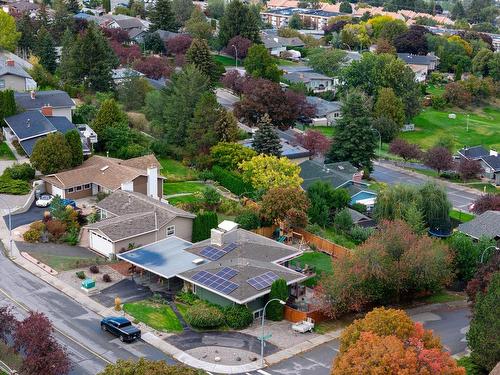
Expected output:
{"points": [[233, 266]]}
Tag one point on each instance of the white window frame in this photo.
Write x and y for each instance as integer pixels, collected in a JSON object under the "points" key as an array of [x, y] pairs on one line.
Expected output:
{"points": [[79, 188], [71, 190], [170, 231], [257, 314], [86, 186]]}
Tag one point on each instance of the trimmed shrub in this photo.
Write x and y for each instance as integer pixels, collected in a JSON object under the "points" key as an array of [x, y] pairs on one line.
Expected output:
{"points": [[56, 228], [106, 278], [202, 225], [81, 275], [203, 316], [231, 181], [359, 234], [94, 269], [237, 316], [14, 187], [275, 310], [248, 219], [187, 298], [31, 235], [206, 175], [38, 226], [22, 171]]}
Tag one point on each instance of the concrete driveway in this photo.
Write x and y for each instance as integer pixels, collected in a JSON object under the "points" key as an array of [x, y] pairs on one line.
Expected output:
{"points": [[127, 290], [33, 214]]}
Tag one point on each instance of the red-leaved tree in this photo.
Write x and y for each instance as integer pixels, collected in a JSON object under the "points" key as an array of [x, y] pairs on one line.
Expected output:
{"points": [[7, 323], [42, 353], [233, 81], [404, 149], [154, 67], [483, 277], [314, 141], [126, 53], [486, 202], [439, 158], [116, 35], [242, 45], [179, 44], [469, 169]]}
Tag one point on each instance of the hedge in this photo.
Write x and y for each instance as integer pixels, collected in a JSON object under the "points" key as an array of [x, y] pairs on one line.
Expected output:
{"points": [[237, 316], [231, 181], [15, 187], [202, 225], [203, 316]]}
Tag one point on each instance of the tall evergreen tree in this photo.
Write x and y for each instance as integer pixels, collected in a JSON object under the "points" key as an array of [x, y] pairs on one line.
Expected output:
{"points": [[458, 11], [238, 19], [182, 96], [355, 139], [226, 126], [88, 60], [201, 133], [199, 55], [45, 50], [73, 6], [162, 16], [75, 145], [7, 104], [182, 10], [266, 140], [279, 290], [109, 115], [26, 26]]}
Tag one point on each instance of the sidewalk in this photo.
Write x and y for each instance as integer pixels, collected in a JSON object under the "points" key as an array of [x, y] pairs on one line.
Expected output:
{"points": [[391, 165], [149, 336]]}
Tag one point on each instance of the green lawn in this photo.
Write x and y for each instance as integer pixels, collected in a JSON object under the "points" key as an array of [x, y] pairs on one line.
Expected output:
{"points": [[284, 62], [320, 261], [170, 188], [443, 297], [5, 152], [226, 60], [326, 130], [174, 170], [484, 128], [463, 217], [435, 90], [157, 316], [10, 357], [183, 199], [485, 188], [65, 263]]}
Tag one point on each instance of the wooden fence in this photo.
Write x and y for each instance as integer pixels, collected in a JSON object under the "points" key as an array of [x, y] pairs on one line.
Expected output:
{"points": [[296, 316], [324, 245], [265, 231]]}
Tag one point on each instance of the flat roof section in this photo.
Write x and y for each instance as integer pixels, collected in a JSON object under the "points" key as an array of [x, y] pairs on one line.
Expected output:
{"points": [[165, 258]]}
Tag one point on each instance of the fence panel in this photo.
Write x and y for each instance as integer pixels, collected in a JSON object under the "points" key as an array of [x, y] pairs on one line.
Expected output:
{"points": [[324, 245]]}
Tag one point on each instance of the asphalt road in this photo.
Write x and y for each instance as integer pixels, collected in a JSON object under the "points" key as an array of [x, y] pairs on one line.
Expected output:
{"points": [[459, 199], [77, 328]]}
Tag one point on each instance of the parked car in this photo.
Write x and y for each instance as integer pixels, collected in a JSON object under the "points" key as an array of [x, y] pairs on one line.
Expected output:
{"points": [[121, 327], [44, 200]]}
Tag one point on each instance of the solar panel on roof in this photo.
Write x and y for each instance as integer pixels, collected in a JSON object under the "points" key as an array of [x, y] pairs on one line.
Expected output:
{"points": [[230, 247], [215, 282], [212, 253], [227, 273], [263, 281]]}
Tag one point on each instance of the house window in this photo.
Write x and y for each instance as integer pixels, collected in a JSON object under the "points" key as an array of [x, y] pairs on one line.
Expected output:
{"points": [[336, 114], [86, 186], [78, 188], [171, 231], [2, 83], [70, 190], [257, 314], [321, 86]]}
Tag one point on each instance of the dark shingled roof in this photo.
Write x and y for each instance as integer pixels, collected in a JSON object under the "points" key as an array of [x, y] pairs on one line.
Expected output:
{"points": [[486, 224], [336, 174], [417, 59], [29, 124], [474, 152], [61, 123], [15, 70], [493, 161], [54, 98]]}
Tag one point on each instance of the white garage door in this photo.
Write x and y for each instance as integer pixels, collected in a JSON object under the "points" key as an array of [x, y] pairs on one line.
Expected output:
{"points": [[101, 244]]}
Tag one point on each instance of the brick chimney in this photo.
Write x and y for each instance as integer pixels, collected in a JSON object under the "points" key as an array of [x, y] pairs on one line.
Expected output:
{"points": [[47, 110], [10, 62]]}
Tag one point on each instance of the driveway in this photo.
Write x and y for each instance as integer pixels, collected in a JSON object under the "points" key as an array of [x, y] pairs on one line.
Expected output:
{"points": [[56, 249], [34, 213], [458, 197], [127, 290]]}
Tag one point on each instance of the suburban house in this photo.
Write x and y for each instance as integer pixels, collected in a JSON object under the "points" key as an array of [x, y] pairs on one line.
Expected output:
{"points": [[121, 75], [327, 113], [276, 44], [316, 82], [129, 219], [360, 219], [340, 175], [59, 102], [138, 35], [30, 126], [420, 64], [103, 174], [485, 225], [16, 7], [14, 77], [490, 161], [132, 25], [233, 266]]}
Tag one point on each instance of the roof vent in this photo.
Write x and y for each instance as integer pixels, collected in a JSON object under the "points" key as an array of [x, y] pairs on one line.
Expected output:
{"points": [[198, 261], [104, 168], [341, 167], [28, 123]]}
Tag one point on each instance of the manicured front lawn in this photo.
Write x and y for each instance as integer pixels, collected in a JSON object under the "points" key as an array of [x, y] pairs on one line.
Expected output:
{"points": [[65, 263], [431, 124], [227, 61], [157, 316], [461, 216], [435, 90], [485, 188], [5, 152], [174, 170], [170, 188], [326, 130]]}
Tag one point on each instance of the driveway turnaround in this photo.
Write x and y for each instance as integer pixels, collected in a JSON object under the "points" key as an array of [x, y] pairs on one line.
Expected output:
{"points": [[127, 290], [33, 214]]}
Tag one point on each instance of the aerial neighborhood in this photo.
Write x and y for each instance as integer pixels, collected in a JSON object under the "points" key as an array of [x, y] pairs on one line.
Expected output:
{"points": [[305, 187]]}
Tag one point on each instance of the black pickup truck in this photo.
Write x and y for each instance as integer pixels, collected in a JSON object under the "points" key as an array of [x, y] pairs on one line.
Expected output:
{"points": [[121, 327]]}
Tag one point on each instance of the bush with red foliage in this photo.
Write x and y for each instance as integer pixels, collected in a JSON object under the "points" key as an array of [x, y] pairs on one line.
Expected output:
{"points": [[56, 228], [469, 169], [116, 35], [233, 81], [126, 53], [404, 149], [180, 60], [483, 276], [486, 202], [42, 353], [154, 67], [7, 323], [242, 45], [456, 94], [314, 141], [439, 158], [179, 44]]}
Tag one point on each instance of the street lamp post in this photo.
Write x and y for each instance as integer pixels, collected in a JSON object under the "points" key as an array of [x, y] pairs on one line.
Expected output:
{"points": [[484, 251], [236, 55], [262, 338], [10, 225], [379, 142], [467, 123]]}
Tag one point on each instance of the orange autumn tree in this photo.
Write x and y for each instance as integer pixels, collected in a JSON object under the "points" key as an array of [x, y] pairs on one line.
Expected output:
{"points": [[388, 342]]}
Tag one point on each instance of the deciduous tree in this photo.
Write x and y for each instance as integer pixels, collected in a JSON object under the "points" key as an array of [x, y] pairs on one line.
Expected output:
{"points": [[327, 60], [182, 10], [7, 323], [51, 154], [469, 169], [413, 41], [179, 44], [75, 145], [389, 105], [154, 67], [229, 155], [314, 141], [281, 204], [242, 45], [9, 36], [406, 150], [260, 64], [483, 276], [325, 202], [485, 203], [146, 366], [438, 158]]}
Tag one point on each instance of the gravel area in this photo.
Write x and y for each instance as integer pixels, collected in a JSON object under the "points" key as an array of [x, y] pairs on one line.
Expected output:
{"points": [[70, 277], [282, 334], [228, 356]]}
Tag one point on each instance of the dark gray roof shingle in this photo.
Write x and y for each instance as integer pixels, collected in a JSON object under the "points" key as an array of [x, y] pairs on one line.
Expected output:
{"points": [[29, 124], [493, 161], [486, 224], [336, 174], [474, 152], [54, 98]]}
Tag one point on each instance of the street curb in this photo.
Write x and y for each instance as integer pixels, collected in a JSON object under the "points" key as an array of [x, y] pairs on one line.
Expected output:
{"points": [[389, 165]]}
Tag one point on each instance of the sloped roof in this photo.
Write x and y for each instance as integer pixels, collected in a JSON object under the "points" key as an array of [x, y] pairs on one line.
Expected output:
{"points": [[323, 107], [29, 124], [305, 77], [54, 98], [474, 152], [486, 224], [107, 172], [16, 70], [417, 59], [336, 174], [493, 161]]}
